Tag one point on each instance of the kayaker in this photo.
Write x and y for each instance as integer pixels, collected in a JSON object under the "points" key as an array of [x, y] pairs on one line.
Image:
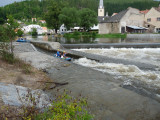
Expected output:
{"points": [[58, 53], [63, 55]]}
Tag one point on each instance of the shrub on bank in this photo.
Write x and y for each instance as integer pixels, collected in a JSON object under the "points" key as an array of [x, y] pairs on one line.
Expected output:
{"points": [[116, 35], [64, 107], [94, 35], [8, 57]]}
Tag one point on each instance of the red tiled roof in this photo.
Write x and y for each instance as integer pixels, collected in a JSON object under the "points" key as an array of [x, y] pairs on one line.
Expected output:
{"points": [[114, 14], [144, 11]]}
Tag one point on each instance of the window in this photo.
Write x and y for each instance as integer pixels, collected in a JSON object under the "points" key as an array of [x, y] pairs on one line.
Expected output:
{"points": [[149, 20], [158, 30], [100, 10], [158, 18]]}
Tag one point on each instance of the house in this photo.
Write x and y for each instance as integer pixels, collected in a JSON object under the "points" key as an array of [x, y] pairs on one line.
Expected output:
{"points": [[34, 19], [29, 28], [152, 17], [42, 21], [129, 20]]}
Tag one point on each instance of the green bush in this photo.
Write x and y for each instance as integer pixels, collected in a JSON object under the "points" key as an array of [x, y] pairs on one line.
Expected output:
{"points": [[94, 34], [76, 33], [8, 57], [34, 32], [66, 107], [19, 33]]}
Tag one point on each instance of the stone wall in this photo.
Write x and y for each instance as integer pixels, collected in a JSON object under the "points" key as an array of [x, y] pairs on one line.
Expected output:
{"points": [[47, 45], [105, 28]]}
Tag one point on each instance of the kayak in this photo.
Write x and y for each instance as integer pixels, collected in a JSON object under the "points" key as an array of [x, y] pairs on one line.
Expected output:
{"points": [[66, 58], [22, 40]]}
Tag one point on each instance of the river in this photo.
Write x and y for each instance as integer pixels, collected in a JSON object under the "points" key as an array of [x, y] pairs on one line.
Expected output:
{"points": [[130, 75], [88, 40]]}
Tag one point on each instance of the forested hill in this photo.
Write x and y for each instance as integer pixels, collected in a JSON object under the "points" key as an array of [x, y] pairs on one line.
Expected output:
{"points": [[37, 8]]}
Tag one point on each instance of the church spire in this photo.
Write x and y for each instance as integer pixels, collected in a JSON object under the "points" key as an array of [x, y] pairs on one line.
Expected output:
{"points": [[101, 9], [101, 4]]}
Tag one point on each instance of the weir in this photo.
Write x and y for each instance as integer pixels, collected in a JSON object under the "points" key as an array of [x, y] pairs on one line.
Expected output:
{"points": [[77, 54], [113, 45], [106, 98]]}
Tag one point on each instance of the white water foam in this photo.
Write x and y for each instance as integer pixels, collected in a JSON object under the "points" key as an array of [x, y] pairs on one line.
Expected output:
{"points": [[145, 55], [126, 72]]}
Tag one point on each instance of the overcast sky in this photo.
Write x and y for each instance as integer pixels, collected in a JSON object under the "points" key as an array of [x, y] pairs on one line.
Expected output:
{"points": [[5, 2]]}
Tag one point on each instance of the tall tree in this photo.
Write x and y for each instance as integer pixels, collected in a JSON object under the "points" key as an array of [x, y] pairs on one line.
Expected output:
{"points": [[88, 18], [69, 17], [52, 16], [11, 26]]}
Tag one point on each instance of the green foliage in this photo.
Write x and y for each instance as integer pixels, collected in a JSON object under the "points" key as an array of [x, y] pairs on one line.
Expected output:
{"points": [[1, 21], [3, 34], [19, 33], [88, 18], [76, 33], [69, 16], [52, 16], [8, 57], [37, 8], [93, 35], [66, 107], [34, 32], [117, 35]]}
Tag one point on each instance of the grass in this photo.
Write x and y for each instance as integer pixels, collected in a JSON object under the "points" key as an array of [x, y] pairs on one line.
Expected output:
{"points": [[94, 35], [116, 35], [9, 58]]}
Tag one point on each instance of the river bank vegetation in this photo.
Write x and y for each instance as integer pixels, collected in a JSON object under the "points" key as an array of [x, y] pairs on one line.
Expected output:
{"points": [[77, 34]]}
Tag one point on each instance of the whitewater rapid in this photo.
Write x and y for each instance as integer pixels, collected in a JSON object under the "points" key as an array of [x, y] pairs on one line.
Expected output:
{"points": [[127, 73]]}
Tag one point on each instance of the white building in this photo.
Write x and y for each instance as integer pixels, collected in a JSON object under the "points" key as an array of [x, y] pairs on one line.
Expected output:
{"points": [[29, 28]]}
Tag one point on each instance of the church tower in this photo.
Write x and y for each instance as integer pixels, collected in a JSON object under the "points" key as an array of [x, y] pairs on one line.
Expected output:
{"points": [[101, 9]]}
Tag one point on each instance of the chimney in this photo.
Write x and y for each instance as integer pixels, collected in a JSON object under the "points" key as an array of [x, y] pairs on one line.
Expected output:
{"points": [[106, 14]]}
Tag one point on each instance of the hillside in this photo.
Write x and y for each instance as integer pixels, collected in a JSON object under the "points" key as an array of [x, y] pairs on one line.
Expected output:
{"points": [[36, 8]]}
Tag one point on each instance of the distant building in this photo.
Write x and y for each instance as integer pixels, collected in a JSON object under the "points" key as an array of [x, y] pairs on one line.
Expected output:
{"points": [[40, 30], [101, 13], [144, 11], [129, 20], [114, 14], [34, 19], [42, 21], [152, 17]]}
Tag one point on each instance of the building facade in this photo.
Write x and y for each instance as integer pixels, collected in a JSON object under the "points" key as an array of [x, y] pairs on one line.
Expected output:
{"points": [[152, 17], [129, 20]]}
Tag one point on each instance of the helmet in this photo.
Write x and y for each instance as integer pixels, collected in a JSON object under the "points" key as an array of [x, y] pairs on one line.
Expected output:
{"points": [[58, 49], [64, 51]]}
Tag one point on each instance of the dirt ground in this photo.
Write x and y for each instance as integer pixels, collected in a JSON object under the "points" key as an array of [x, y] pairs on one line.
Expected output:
{"points": [[14, 74]]}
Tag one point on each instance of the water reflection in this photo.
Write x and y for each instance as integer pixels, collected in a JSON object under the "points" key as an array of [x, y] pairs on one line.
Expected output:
{"points": [[89, 40]]}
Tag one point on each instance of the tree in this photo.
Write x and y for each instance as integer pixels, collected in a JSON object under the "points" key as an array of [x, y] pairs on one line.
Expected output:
{"points": [[52, 16], [19, 33], [1, 21], [69, 16], [11, 26], [88, 18], [34, 32]]}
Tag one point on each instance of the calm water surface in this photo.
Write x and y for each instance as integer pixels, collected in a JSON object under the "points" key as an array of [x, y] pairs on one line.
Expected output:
{"points": [[89, 40]]}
